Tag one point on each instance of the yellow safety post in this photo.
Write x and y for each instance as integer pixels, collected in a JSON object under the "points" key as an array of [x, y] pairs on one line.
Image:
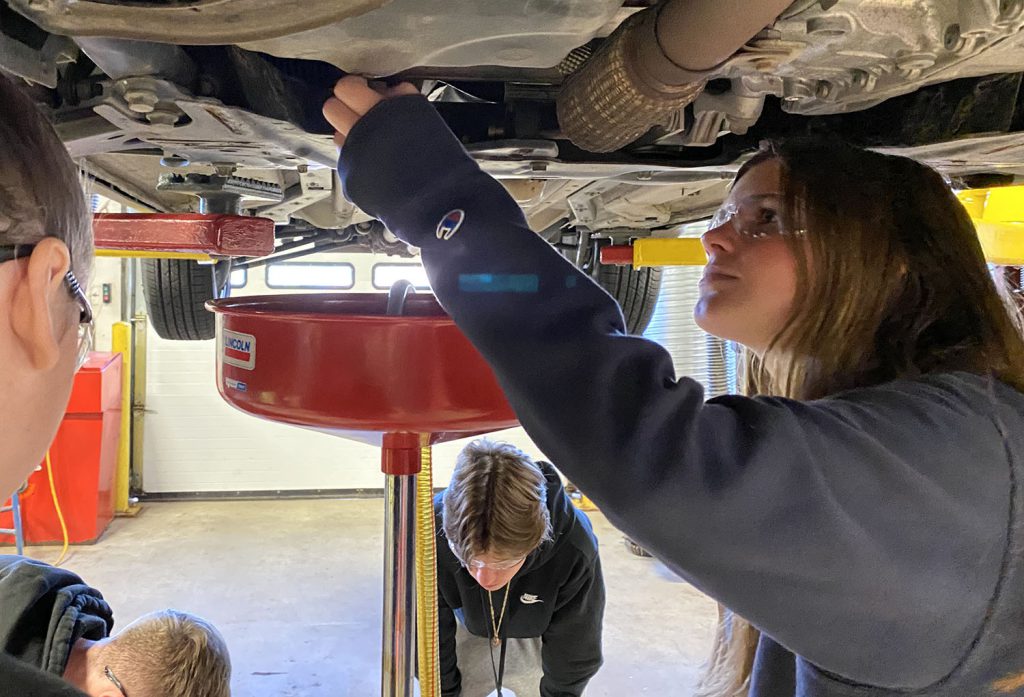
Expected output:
{"points": [[426, 579], [121, 342], [998, 216]]}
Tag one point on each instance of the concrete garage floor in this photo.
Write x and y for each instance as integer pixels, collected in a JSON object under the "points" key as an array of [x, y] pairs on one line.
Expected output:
{"points": [[295, 588]]}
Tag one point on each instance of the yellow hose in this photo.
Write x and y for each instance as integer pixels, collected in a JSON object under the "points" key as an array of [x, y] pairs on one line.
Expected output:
{"points": [[56, 507], [426, 581]]}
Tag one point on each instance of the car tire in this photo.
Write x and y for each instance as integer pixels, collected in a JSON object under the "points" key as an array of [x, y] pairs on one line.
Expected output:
{"points": [[636, 291], [176, 294]]}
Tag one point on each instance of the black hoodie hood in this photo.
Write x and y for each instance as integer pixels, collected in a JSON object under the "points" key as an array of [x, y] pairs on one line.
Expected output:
{"points": [[45, 610], [564, 520]]}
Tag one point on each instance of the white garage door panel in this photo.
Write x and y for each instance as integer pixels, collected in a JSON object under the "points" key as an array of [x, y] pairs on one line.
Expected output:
{"points": [[194, 441]]}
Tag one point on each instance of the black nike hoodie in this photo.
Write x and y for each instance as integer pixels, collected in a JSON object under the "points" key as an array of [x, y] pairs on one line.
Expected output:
{"points": [[558, 595]]}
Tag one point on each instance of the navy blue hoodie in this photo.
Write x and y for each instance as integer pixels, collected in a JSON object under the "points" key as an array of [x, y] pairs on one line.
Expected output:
{"points": [[874, 536]]}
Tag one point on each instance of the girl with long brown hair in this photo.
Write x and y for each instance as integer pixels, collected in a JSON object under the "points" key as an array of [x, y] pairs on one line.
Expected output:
{"points": [[861, 507]]}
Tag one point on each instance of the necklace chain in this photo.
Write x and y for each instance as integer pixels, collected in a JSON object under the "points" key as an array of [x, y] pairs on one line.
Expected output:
{"points": [[496, 626]]}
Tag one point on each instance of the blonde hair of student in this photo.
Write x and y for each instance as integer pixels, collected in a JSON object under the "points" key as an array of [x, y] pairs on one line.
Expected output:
{"points": [[170, 654]]}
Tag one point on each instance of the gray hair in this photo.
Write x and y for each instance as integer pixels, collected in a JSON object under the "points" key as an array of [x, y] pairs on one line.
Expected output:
{"points": [[40, 187]]}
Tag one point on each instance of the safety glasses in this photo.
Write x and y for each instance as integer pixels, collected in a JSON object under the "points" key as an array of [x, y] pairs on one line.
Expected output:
{"points": [[758, 216], [113, 678], [85, 317], [477, 564]]}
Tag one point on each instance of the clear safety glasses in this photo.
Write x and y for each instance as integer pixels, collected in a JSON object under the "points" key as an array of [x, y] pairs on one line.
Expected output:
{"points": [[757, 216], [496, 566]]}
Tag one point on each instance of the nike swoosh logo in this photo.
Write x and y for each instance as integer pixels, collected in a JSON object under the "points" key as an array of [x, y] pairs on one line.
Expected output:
{"points": [[527, 599]]}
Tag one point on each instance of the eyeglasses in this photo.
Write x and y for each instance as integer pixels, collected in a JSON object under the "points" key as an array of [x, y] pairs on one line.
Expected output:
{"points": [[496, 566], [757, 216], [85, 316], [113, 678]]}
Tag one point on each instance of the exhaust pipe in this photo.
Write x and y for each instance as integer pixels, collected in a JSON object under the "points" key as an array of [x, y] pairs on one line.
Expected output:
{"points": [[654, 64]]}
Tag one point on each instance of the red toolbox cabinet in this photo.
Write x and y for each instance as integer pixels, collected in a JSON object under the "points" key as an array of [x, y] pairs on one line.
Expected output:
{"points": [[84, 457]]}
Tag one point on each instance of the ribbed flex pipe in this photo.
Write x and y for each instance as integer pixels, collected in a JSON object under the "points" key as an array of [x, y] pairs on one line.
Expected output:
{"points": [[426, 582], [654, 64]]}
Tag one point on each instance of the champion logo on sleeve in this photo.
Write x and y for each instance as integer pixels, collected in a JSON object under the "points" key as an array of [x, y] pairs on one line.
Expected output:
{"points": [[529, 599], [450, 224]]}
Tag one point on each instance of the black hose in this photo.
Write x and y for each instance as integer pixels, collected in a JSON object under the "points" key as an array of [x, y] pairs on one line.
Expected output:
{"points": [[400, 290]]}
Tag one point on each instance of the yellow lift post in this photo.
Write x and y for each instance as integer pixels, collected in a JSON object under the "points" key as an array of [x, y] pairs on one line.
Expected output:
{"points": [[998, 216]]}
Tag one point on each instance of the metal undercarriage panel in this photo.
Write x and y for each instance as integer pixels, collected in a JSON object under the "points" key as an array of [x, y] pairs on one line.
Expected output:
{"points": [[822, 57]]}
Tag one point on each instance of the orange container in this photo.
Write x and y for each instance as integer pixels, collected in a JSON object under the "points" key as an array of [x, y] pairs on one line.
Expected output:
{"points": [[84, 459]]}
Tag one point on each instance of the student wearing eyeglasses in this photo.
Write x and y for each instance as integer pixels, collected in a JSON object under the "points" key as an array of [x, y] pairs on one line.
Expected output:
{"points": [[52, 625], [46, 254], [53, 620], [520, 590]]}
